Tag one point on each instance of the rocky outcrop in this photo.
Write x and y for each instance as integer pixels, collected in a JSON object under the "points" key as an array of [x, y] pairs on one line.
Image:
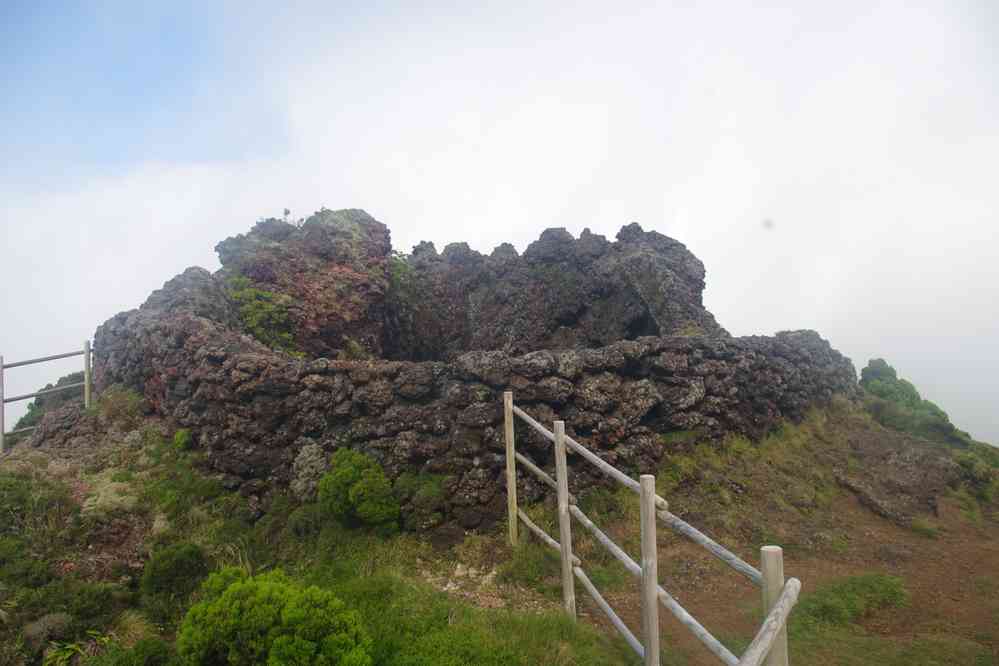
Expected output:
{"points": [[611, 337], [562, 293], [333, 269], [255, 410], [346, 290]]}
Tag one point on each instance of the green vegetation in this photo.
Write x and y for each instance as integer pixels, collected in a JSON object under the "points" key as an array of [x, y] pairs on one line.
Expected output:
{"points": [[925, 527], [895, 403], [244, 620], [145, 652], [170, 576], [183, 440], [264, 314], [353, 351], [40, 525], [533, 565], [829, 623], [425, 495], [847, 601], [356, 492], [44, 403]]}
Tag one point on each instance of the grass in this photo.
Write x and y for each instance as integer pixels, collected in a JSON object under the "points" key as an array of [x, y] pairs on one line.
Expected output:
{"points": [[924, 527]]}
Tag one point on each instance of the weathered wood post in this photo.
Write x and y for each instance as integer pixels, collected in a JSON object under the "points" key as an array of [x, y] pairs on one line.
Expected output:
{"points": [[772, 568], [2, 426], [650, 571], [564, 524], [86, 374], [511, 467]]}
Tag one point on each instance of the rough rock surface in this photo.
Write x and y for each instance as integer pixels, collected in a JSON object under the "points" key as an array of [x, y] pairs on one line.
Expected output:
{"points": [[562, 293], [345, 287], [610, 337], [254, 410], [334, 269]]}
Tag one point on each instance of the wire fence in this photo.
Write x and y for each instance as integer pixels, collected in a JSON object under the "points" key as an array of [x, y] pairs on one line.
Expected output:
{"points": [[769, 645]]}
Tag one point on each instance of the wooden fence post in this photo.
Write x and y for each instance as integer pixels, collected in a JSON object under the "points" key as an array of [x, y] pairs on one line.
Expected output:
{"points": [[564, 524], [511, 467], [772, 567], [86, 374], [650, 571], [2, 426]]}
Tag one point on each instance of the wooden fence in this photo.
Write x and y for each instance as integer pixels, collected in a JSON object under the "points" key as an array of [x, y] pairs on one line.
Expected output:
{"points": [[768, 647], [86, 384]]}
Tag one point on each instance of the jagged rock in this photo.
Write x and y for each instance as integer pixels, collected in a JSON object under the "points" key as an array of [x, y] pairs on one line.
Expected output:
{"points": [[561, 293]]}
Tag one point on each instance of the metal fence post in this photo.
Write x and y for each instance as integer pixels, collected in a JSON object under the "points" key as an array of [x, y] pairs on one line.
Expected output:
{"points": [[86, 374], [511, 467], [564, 524], [2, 426], [650, 571], [772, 567]]}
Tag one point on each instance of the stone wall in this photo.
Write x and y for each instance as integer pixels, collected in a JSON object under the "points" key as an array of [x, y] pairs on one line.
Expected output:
{"points": [[254, 410]]}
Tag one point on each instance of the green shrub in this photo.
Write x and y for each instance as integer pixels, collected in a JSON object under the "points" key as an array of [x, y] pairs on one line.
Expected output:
{"points": [[263, 313], [267, 619], [895, 403], [17, 566], [305, 521], [356, 492], [169, 578], [183, 440]]}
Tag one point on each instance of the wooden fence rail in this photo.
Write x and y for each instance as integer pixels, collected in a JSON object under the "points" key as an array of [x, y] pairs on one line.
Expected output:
{"points": [[86, 384], [769, 645]]}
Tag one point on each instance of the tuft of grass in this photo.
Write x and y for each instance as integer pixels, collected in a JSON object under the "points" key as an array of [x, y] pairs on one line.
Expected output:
{"points": [[532, 565], [970, 507], [846, 601], [925, 528]]}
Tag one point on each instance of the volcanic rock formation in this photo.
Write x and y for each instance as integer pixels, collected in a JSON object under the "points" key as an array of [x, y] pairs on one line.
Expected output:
{"points": [[345, 287], [610, 337]]}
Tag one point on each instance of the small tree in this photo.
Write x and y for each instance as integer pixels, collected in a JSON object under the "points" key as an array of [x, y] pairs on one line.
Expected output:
{"points": [[268, 619], [356, 492]]}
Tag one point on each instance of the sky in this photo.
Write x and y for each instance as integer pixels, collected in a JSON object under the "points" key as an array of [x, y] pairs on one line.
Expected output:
{"points": [[834, 165]]}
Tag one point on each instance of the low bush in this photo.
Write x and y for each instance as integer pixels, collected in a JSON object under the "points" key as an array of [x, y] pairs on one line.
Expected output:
{"points": [[896, 403], [169, 578], [305, 521], [269, 619], [356, 492], [265, 314]]}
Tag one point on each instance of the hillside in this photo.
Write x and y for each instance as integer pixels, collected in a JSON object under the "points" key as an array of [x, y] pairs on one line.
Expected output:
{"points": [[318, 426]]}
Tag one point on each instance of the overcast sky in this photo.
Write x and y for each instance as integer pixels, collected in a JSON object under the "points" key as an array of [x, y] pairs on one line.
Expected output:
{"points": [[835, 166]]}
